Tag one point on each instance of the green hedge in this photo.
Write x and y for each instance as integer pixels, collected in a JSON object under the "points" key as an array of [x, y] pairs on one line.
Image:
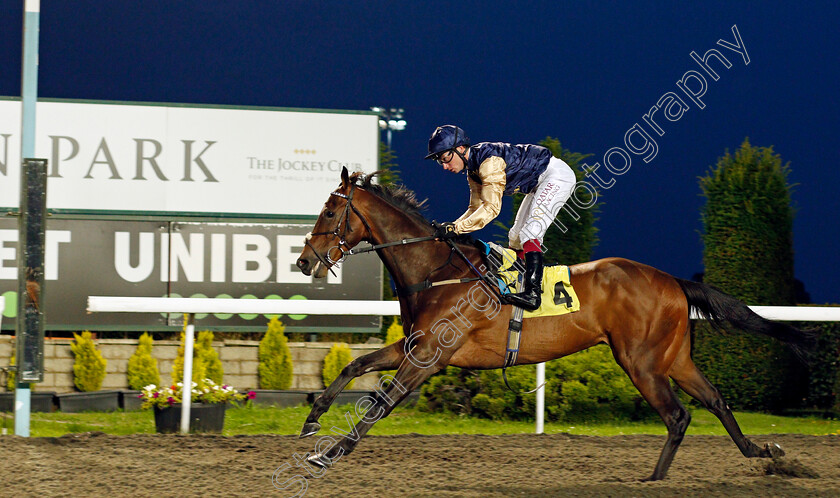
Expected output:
{"points": [[751, 372], [748, 227], [748, 253], [824, 378], [586, 386]]}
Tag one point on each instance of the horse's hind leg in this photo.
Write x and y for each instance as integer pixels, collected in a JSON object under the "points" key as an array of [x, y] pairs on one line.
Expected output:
{"points": [[387, 358], [686, 374], [656, 389]]}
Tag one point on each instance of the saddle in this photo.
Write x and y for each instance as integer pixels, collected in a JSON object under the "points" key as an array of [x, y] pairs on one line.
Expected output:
{"points": [[558, 295]]}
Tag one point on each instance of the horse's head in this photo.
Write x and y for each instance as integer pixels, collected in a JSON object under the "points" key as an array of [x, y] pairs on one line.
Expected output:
{"points": [[339, 228]]}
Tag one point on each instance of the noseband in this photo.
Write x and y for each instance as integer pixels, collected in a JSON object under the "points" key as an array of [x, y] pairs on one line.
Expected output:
{"points": [[337, 232]]}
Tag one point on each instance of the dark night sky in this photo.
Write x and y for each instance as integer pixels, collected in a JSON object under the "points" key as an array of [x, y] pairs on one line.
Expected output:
{"points": [[583, 72]]}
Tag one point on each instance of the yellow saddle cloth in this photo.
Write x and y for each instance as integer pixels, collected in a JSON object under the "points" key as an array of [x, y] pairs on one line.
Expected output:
{"points": [[558, 296]]}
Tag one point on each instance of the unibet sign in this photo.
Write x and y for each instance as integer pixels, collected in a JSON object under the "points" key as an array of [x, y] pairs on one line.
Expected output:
{"points": [[141, 258]]}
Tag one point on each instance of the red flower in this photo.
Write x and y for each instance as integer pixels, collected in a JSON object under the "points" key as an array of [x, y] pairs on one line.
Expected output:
{"points": [[170, 400], [252, 395]]}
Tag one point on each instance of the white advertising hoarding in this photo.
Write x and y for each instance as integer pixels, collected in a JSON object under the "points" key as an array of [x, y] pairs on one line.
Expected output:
{"points": [[121, 157]]}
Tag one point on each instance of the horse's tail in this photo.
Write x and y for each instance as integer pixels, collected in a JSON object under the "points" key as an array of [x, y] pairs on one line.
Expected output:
{"points": [[718, 307]]}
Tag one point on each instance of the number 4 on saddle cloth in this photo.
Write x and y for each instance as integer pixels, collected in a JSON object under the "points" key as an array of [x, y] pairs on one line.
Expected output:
{"points": [[558, 296]]}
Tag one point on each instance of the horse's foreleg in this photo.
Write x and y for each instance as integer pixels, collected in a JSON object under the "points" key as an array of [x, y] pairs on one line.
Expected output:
{"points": [[387, 358], [409, 377], [689, 378]]}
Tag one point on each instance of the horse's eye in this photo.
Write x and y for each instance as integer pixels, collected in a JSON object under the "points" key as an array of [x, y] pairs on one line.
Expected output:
{"points": [[329, 214]]}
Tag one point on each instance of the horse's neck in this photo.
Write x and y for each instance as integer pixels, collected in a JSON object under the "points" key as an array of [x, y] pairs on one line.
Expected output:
{"points": [[410, 263]]}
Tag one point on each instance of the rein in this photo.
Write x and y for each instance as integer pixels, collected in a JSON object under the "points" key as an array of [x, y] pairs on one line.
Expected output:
{"points": [[341, 236], [420, 286]]}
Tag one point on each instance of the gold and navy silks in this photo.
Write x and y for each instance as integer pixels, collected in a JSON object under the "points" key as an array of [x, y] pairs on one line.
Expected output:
{"points": [[496, 169]]}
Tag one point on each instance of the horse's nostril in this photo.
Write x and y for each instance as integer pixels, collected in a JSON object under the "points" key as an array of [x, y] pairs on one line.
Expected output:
{"points": [[302, 264]]}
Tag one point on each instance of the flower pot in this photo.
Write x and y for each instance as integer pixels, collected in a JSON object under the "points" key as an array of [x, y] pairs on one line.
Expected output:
{"points": [[130, 400], [39, 401], [280, 398], [95, 401], [203, 418]]}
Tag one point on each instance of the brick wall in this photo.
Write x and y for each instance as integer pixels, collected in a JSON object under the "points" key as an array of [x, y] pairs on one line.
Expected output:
{"points": [[239, 361]]}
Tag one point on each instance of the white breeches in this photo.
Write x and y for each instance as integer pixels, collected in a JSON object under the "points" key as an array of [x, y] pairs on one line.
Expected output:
{"points": [[540, 207]]}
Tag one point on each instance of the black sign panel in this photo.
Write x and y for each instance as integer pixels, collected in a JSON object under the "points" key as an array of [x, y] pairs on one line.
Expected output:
{"points": [[148, 258]]}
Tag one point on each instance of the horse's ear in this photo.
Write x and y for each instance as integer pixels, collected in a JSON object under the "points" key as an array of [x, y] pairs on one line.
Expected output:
{"points": [[345, 176]]}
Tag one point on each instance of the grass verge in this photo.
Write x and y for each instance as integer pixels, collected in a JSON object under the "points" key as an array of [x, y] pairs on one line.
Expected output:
{"points": [[266, 420]]}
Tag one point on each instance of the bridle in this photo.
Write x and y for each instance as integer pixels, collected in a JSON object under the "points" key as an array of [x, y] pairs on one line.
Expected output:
{"points": [[342, 235], [403, 292], [337, 232]]}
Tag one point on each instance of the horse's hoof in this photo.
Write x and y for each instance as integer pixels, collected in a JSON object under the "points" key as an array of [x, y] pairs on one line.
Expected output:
{"points": [[773, 450], [309, 429], [320, 461]]}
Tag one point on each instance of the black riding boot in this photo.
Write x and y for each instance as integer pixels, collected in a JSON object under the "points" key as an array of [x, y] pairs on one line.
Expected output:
{"points": [[529, 298]]}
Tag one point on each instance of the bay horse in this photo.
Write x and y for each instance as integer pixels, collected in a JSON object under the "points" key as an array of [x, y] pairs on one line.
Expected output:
{"points": [[642, 313]]}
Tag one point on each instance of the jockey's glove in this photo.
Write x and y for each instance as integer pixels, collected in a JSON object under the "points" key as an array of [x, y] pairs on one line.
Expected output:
{"points": [[444, 231]]}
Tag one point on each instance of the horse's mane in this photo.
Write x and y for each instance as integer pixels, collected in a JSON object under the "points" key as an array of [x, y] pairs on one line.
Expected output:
{"points": [[399, 196]]}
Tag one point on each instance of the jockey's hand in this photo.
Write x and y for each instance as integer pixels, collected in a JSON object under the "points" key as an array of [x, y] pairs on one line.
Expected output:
{"points": [[444, 231]]}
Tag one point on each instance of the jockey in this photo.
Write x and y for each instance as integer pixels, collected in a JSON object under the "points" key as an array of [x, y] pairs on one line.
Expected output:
{"points": [[494, 169]]}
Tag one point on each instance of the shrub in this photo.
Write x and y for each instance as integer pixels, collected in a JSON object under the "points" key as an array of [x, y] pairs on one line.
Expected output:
{"points": [[392, 335], [142, 368], [11, 374], [338, 357], [586, 386], [748, 206], [824, 379], [751, 372], [209, 357], [198, 367], [275, 367], [89, 366]]}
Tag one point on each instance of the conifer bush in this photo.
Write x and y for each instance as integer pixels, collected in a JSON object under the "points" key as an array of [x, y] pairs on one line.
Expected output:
{"points": [[209, 357], [335, 361], [748, 253], [11, 374], [89, 365], [198, 367], [275, 368], [142, 367], [392, 335]]}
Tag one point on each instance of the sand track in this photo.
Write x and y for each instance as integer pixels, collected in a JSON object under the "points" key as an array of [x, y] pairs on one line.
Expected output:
{"points": [[412, 465]]}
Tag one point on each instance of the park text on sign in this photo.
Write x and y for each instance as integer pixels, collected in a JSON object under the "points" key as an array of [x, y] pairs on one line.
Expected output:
{"points": [[176, 159]]}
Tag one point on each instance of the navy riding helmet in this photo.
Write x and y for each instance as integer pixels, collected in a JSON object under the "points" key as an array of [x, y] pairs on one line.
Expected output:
{"points": [[444, 138]]}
